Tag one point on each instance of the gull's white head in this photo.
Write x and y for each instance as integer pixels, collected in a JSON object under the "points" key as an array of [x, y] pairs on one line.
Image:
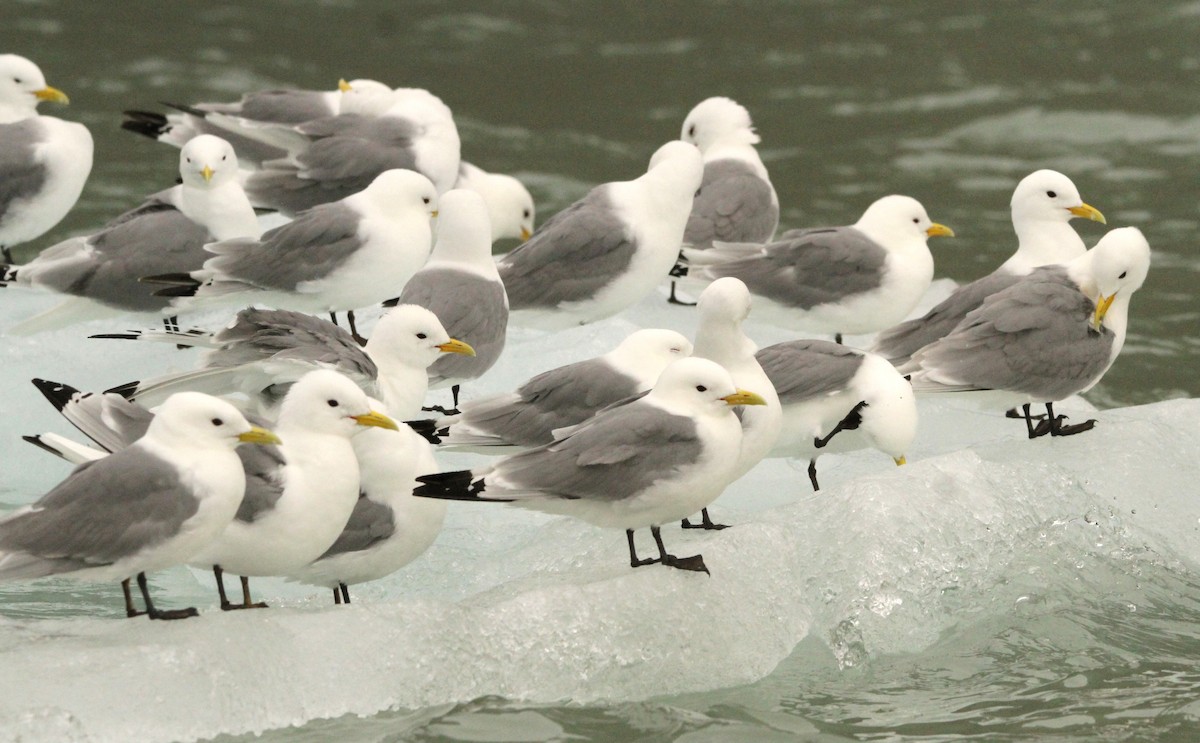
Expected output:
{"points": [[716, 120], [725, 300], [646, 352], [327, 402], [364, 97], [402, 192], [1119, 265], [1047, 195], [700, 387], [411, 336], [464, 231], [899, 219], [207, 162], [22, 87], [889, 420], [198, 420], [509, 203]]}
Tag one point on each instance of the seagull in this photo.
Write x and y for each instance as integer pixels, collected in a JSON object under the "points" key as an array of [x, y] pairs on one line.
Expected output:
{"points": [[167, 233], [281, 106], [606, 251], [565, 396], [1052, 334], [334, 157], [652, 461], [299, 494], [460, 284], [723, 307], [389, 527], [331, 258], [736, 201], [262, 352], [1042, 205], [838, 399], [147, 507], [841, 280], [509, 203], [44, 161]]}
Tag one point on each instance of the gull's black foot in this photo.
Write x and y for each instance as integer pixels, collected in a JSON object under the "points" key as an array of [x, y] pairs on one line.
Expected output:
{"points": [[676, 300], [634, 562], [151, 611], [1014, 413], [1043, 427], [1060, 430], [227, 606], [174, 613], [442, 410], [705, 523], [694, 563], [812, 475]]}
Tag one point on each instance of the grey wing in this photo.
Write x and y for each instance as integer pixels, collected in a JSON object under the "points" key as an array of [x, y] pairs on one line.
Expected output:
{"points": [[803, 369], [370, 522], [21, 175], [308, 248], [899, 343], [732, 205], [611, 457], [104, 511], [282, 106], [1034, 338], [555, 399], [811, 267], [571, 257], [261, 334], [470, 308], [265, 469]]}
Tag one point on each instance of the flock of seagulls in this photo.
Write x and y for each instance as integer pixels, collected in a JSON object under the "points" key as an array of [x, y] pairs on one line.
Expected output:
{"points": [[302, 449]]}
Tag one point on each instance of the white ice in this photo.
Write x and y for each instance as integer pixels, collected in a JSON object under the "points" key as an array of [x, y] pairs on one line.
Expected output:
{"points": [[539, 608]]}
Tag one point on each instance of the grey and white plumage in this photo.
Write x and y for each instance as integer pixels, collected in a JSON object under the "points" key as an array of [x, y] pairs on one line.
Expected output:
{"points": [[1042, 205], [1052, 334], [855, 279], [460, 284], [820, 383], [334, 157], [44, 161], [606, 251], [149, 506], [565, 396], [651, 461], [166, 234], [510, 205], [331, 258]]}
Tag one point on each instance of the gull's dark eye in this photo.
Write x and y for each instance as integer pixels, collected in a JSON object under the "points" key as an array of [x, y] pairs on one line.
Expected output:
{"points": [[1051, 194], [188, 159], [692, 130], [422, 336], [17, 80], [701, 388], [425, 199], [222, 158], [218, 422], [332, 403], [525, 214], [1122, 274], [916, 220]]}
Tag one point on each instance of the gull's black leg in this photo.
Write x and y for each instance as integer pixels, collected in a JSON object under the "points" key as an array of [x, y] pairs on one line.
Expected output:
{"points": [[694, 563], [130, 609], [219, 574], [633, 558], [354, 330], [454, 392], [676, 300], [157, 614], [345, 592], [1058, 429], [1041, 429], [705, 522], [337, 597], [837, 338], [852, 421], [333, 318], [812, 474], [247, 602]]}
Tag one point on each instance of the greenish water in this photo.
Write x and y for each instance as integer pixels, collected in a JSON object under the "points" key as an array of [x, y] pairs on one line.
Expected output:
{"points": [[949, 102]]}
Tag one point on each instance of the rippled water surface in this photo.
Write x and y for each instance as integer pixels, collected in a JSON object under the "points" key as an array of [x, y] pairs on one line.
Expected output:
{"points": [[1087, 634]]}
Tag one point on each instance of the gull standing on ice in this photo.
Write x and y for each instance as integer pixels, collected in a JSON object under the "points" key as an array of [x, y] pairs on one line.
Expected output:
{"points": [[606, 251], [1052, 334], [44, 161], [723, 307], [1042, 205], [565, 396], [165, 234], [841, 280], [332, 258], [147, 507], [838, 399], [509, 203], [736, 201], [460, 284], [650, 462]]}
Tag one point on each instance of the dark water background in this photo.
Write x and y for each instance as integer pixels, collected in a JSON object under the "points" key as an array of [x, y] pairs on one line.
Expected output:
{"points": [[949, 102]]}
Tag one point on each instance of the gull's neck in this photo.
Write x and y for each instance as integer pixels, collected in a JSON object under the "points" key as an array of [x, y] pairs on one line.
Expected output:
{"points": [[1042, 242], [224, 210]]}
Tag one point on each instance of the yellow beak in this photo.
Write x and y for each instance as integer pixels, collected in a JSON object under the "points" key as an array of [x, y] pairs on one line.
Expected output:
{"points": [[525, 234], [51, 94], [258, 435], [1102, 305], [344, 86], [901, 461], [939, 230], [456, 346], [378, 420], [433, 213], [207, 172], [744, 397], [1089, 212]]}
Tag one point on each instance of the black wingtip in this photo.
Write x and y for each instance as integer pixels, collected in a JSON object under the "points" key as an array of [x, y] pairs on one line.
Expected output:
{"points": [[177, 291], [458, 485], [426, 428], [174, 279], [37, 441], [57, 393], [132, 335], [127, 390], [186, 109], [144, 127]]}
